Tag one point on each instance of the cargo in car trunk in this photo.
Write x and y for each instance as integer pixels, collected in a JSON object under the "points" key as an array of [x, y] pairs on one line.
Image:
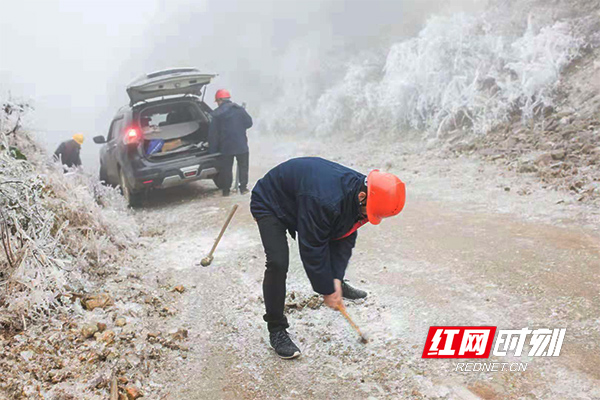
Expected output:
{"points": [[173, 127]]}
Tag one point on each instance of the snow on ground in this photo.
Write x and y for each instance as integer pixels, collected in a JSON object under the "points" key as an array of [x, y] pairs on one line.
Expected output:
{"points": [[464, 252]]}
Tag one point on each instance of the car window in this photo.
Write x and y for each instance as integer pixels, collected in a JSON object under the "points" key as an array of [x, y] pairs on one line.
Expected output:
{"points": [[154, 117], [115, 127], [110, 131], [205, 107]]}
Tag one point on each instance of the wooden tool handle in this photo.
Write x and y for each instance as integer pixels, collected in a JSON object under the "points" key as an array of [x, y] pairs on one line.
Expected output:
{"points": [[227, 221], [342, 309]]}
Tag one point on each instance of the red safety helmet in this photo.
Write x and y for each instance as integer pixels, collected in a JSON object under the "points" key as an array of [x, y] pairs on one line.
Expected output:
{"points": [[222, 94], [386, 196]]}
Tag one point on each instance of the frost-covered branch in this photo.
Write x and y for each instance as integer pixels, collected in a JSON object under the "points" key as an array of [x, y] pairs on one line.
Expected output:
{"points": [[56, 229]]}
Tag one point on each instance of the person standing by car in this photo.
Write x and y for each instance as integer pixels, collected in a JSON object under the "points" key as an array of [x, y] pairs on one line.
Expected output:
{"points": [[324, 203], [227, 135], [68, 151]]}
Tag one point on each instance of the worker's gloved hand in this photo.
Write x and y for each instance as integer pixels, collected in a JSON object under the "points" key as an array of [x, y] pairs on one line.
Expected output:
{"points": [[334, 299]]}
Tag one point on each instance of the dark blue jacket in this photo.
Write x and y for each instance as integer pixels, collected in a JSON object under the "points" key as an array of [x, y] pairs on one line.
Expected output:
{"points": [[68, 153], [318, 199], [227, 132]]}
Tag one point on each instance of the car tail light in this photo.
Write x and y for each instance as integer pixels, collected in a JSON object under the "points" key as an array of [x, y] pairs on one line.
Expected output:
{"points": [[132, 136]]}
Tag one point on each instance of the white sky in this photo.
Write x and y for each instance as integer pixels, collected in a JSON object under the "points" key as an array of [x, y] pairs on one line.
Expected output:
{"points": [[63, 56]]}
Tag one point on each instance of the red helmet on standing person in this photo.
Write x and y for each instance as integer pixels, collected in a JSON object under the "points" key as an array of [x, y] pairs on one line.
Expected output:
{"points": [[222, 94], [386, 195]]}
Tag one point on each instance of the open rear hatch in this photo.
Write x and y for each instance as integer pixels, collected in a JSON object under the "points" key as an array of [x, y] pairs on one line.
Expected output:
{"points": [[169, 82], [173, 129]]}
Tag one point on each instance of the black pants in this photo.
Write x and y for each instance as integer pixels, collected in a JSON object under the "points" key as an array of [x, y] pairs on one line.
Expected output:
{"points": [[225, 170], [274, 239]]}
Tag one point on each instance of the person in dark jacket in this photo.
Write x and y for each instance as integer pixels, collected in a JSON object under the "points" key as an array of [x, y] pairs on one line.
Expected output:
{"points": [[324, 204], [68, 151], [227, 135]]}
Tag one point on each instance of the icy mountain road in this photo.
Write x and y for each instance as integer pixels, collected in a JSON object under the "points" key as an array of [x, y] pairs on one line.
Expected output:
{"points": [[465, 251]]}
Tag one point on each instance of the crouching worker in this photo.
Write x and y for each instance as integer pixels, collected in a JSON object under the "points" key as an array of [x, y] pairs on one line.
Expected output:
{"points": [[68, 151], [324, 203]]}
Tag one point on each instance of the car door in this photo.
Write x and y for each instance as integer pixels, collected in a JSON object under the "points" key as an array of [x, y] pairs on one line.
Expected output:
{"points": [[111, 149]]}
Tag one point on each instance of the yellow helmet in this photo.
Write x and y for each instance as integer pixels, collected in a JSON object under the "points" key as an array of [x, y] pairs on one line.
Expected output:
{"points": [[78, 137]]}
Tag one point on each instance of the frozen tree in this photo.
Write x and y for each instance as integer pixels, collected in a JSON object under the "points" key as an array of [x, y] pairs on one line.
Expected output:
{"points": [[465, 72]]}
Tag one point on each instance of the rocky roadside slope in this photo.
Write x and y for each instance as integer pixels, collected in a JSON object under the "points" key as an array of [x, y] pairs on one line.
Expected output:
{"points": [[79, 316], [562, 149]]}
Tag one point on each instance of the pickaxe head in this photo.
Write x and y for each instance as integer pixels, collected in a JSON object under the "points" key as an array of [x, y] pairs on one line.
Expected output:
{"points": [[206, 261]]}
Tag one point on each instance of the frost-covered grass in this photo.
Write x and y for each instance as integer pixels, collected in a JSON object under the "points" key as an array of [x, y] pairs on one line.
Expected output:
{"points": [[58, 229], [463, 71]]}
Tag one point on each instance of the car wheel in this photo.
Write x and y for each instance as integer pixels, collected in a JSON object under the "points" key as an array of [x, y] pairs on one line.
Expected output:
{"points": [[215, 179], [132, 198]]}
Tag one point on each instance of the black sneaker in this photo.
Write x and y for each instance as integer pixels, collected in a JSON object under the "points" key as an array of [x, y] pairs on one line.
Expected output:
{"points": [[243, 190], [225, 193], [350, 293], [283, 345]]}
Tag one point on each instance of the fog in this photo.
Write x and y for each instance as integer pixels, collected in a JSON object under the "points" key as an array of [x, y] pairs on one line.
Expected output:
{"points": [[73, 59], [63, 56]]}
